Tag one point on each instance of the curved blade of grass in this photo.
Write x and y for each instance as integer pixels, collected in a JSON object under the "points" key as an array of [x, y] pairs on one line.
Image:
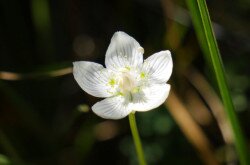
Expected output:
{"points": [[203, 27]]}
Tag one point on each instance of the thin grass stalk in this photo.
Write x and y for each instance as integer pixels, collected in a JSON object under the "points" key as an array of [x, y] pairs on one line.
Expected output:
{"points": [[203, 27]]}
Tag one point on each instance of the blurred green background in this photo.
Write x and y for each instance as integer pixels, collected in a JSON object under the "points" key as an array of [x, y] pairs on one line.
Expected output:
{"points": [[45, 116]]}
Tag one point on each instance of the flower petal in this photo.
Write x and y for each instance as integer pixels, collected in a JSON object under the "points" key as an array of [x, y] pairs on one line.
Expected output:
{"points": [[150, 97], [159, 66], [93, 78], [112, 108], [123, 52]]}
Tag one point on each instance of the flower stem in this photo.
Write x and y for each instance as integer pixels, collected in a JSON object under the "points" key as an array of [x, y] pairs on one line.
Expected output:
{"points": [[136, 138]]}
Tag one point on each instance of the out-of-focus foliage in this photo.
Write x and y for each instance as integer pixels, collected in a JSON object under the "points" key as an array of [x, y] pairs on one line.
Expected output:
{"points": [[45, 116]]}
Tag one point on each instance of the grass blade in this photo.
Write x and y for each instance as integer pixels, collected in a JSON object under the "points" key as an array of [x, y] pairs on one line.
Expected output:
{"points": [[203, 27]]}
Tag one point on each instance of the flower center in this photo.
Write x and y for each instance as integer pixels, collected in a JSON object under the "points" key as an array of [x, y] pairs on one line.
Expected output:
{"points": [[127, 82]]}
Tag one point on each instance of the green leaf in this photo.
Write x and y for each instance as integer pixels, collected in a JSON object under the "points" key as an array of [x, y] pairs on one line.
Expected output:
{"points": [[203, 26], [4, 160]]}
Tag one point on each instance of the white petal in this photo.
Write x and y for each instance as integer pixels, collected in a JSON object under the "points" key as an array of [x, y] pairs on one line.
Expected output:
{"points": [[150, 97], [123, 52], [158, 67], [112, 108], [93, 78]]}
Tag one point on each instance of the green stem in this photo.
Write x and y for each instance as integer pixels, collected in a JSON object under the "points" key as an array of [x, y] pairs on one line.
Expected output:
{"points": [[136, 138]]}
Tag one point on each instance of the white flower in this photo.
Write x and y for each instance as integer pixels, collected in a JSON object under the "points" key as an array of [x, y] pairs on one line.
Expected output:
{"points": [[127, 83]]}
